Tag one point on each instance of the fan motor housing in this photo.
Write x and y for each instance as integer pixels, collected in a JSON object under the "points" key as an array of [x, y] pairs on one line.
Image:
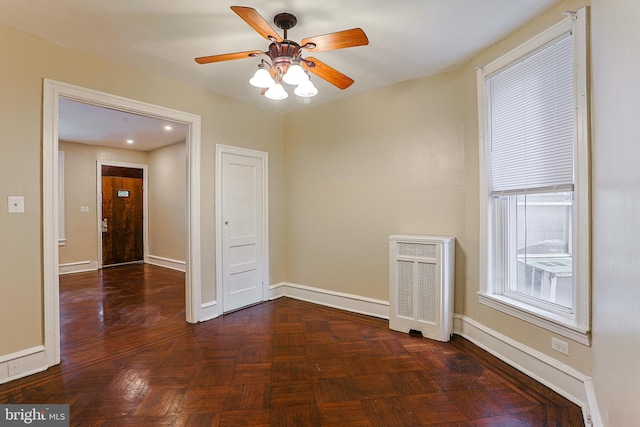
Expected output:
{"points": [[283, 53]]}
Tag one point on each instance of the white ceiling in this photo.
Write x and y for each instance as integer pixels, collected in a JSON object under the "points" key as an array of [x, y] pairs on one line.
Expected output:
{"points": [[407, 38], [95, 125]]}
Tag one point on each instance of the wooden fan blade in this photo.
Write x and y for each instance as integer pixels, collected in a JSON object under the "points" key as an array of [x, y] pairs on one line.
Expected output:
{"points": [[257, 22], [339, 40], [327, 73], [228, 56]]}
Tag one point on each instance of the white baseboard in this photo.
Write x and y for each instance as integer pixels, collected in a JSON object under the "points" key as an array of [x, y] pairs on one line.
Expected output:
{"points": [[81, 266], [596, 418], [559, 377], [208, 311], [26, 362], [167, 263], [348, 302], [77, 267]]}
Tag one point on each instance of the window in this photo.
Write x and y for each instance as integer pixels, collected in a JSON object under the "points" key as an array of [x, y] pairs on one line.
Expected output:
{"points": [[535, 239]]}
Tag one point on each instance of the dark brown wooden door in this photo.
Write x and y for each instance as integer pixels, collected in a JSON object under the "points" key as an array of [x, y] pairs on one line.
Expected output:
{"points": [[122, 216]]}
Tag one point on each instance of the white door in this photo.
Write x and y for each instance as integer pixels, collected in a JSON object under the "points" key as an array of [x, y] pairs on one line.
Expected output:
{"points": [[242, 230]]}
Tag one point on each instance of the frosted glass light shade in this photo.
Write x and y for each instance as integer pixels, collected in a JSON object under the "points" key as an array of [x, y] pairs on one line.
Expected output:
{"points": [[295, 75], [261, 78], [306, 89], [276, 92]]}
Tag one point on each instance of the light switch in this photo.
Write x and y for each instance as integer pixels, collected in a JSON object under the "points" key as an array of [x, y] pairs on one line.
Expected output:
{"points": [[16, 204]]}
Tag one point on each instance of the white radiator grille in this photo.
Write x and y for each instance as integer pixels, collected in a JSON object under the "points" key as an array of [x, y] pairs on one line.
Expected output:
{"points": [[421, 285], [427, 292], [417, 250], [405, 288]]}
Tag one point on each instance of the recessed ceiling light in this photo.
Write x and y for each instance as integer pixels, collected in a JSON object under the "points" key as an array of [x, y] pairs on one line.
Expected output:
{"points": [[168, 127], [129, 141]]}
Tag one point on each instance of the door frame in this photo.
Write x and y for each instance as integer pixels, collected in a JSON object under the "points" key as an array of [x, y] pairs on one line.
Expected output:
{"points": [[145, 204], [264, 157], [52, 92]]}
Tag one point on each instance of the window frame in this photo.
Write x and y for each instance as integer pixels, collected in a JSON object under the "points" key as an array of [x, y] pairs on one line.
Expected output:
{"points": [[575, 325]]}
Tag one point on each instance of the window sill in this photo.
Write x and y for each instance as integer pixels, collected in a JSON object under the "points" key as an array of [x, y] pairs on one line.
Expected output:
{"points": [[534, 315]]}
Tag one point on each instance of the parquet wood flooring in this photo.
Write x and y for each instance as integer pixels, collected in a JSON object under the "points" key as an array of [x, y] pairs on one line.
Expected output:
{"points": [[130, 359]]}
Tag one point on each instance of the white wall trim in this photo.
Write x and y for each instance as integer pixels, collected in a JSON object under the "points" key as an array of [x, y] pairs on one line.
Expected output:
{"points": [[538, 317], [77, 267], [167, 263], [52, 92], [30, 360], [343, 301], [558, 376], [596, 418], [82, 266], [209, 310]]}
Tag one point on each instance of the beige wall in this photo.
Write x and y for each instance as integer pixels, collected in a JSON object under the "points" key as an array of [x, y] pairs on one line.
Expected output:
{"points": [[167, 202], [80, 188], [223, 121], [616, 209], [401, 159], [363, 168]]}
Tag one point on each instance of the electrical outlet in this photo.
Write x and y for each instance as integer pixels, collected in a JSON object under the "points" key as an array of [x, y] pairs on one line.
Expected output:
{"points": [[14, 367], [560, 346]]}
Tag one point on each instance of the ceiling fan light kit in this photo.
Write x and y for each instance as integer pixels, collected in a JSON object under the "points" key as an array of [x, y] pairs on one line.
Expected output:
{"points": [[306, 89], [262, 76], [287, 64], [276, 92], [295, 74]]}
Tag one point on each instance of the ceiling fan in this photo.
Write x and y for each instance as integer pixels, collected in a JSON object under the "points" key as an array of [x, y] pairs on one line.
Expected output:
{"points": [[286, 61]]}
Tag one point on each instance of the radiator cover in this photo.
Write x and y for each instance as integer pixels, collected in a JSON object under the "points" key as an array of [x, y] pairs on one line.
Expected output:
{"points": [[421, 284]]}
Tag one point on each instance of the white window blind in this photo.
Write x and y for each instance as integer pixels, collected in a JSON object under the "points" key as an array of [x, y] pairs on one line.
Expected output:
{"points": [[530, 108]]}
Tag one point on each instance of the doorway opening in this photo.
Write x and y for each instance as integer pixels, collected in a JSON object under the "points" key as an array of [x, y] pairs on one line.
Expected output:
{"points": [[54, 92]]}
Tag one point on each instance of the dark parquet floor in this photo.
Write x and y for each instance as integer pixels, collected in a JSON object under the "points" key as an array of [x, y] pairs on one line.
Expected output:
{"points": [[130, 359]]}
